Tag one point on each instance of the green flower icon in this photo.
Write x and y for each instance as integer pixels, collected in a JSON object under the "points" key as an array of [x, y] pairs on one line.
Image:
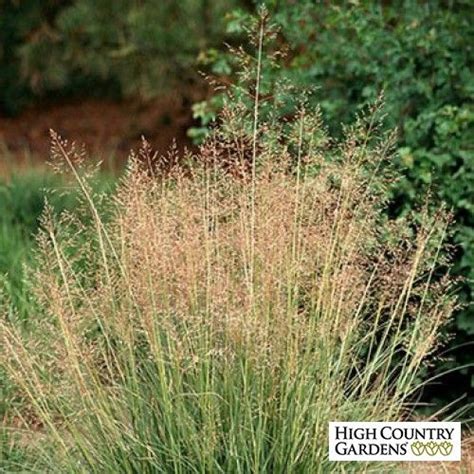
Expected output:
{"points": [[417, 448], [431, 448], [445, 448]]}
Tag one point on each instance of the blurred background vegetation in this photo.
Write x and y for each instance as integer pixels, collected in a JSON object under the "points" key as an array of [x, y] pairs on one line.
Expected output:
{"points": [[141, 51]]}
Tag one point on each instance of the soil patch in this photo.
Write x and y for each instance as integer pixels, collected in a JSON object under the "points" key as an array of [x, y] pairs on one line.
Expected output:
{"points": [[108, 129]]}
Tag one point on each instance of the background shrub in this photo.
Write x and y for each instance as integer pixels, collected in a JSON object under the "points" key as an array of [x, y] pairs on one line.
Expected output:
{"points": [[102, 48]]}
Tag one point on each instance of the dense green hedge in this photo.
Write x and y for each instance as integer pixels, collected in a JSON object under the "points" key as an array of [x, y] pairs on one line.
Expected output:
{"points": [[421, 55]]}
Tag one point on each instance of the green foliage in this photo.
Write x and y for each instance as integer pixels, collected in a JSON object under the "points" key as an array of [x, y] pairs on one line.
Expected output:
{"points": [[420, 54], [12, 459], [19, 22], [22, 201], [102, 47]]}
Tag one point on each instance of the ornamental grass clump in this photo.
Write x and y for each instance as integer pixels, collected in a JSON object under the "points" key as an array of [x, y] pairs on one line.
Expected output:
{"points": [[218, 311], [227, 307]]}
